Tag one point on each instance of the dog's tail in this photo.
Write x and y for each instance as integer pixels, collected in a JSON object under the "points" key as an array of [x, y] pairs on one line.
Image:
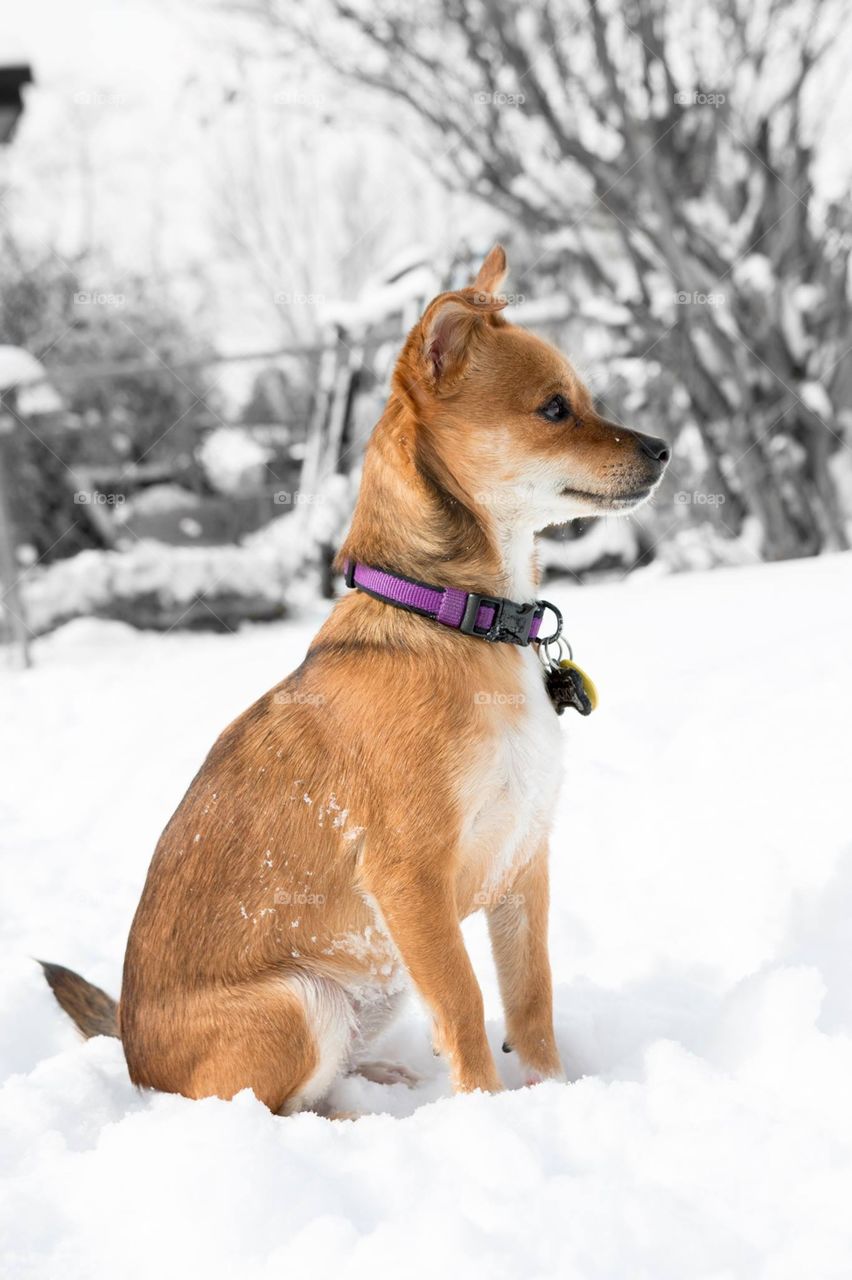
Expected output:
{"points": [[92, 1010]]}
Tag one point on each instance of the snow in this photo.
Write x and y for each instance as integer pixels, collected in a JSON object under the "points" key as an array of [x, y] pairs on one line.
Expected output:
{"points": [[232, 460], [605, 539], [754, 272], [18, 368], [815, 396], [402, 288], [702, 893]]}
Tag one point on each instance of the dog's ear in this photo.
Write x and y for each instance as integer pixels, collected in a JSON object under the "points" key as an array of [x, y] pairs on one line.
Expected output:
{"points": [[493, 271], [436, 351], [448, 330]]}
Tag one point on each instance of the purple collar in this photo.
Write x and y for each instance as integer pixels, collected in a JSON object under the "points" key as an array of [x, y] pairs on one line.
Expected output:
{"points": [[491, 618]]}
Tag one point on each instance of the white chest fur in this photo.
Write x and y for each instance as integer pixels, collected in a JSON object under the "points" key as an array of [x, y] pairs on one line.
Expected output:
{"points": [[514, 779]]}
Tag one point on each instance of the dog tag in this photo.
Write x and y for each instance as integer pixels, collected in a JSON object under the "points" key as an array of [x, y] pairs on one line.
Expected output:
{"points": [[569, 686]]}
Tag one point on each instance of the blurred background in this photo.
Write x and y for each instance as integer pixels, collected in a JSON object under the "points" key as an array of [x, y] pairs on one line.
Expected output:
{"points": [[218, 220]]}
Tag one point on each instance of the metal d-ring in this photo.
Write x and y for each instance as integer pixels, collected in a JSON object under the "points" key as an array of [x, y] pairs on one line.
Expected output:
{"points": [[558, 632]]}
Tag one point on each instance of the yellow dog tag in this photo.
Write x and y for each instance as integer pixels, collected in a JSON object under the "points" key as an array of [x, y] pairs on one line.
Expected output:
{"points": [[588, 682], [569, 686]]}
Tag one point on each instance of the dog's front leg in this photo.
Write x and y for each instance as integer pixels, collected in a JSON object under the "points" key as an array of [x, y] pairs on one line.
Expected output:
{"points": [[517, 923], [420, 912]]}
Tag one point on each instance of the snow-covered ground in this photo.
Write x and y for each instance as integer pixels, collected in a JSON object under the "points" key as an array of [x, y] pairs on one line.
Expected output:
{"points": [[701, 946]]}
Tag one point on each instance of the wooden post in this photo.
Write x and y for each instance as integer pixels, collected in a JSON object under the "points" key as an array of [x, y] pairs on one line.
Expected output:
{"points": [[13, 607], [318, 426], [349, 371]]}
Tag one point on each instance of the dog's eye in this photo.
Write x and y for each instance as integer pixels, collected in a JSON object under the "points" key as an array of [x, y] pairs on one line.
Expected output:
{"points": [[557, 409]]}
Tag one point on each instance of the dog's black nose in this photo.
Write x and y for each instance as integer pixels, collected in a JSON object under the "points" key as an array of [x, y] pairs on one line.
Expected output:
{"points": [[654, 448]]}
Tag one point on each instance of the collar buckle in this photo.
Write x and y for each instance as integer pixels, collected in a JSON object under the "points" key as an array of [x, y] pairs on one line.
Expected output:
{"points": [[511, 622]]}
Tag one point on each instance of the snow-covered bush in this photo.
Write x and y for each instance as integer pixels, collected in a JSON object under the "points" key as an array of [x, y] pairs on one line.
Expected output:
{"points": [[160, 586]]}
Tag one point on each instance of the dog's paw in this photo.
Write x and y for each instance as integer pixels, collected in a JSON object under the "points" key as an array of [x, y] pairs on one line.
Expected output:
{"points": [[381, 1072]]}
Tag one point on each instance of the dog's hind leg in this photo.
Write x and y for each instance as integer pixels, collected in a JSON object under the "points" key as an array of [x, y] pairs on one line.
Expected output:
{"points": [[285, 1038], [332, 1025]]}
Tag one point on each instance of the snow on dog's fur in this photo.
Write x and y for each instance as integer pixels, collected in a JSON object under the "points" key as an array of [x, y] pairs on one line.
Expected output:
{"points": [[403, 776]]}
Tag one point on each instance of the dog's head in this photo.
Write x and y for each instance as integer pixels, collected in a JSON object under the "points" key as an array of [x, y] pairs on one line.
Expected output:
{"points": [[503, 413]]}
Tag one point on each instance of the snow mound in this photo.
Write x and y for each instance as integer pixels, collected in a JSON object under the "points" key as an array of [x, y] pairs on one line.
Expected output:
{"points": [[700, 941]]}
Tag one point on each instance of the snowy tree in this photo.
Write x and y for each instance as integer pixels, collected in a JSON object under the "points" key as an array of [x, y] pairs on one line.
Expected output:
{"points": [[662, 155]]}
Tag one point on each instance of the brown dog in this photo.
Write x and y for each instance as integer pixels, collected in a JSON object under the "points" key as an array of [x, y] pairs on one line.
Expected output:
{"points": [[404, 776]]}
